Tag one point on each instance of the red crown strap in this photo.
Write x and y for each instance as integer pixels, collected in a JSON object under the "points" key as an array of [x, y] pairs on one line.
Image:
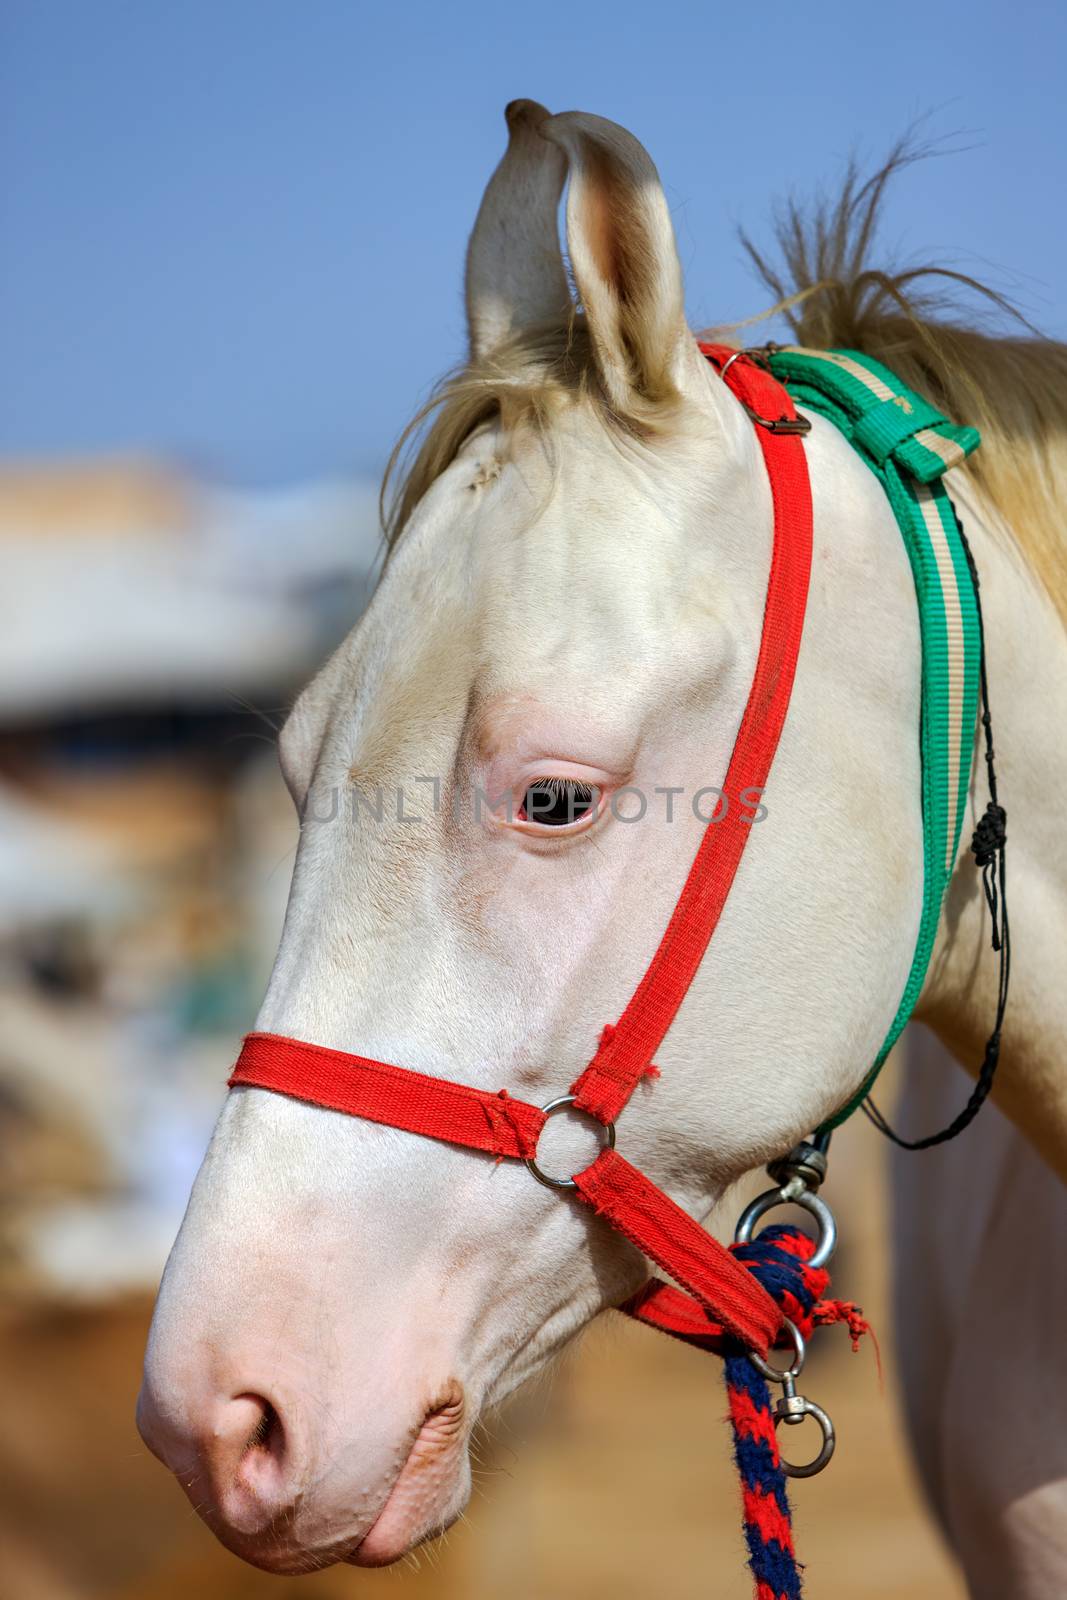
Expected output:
{"points": [[626, 1050]]}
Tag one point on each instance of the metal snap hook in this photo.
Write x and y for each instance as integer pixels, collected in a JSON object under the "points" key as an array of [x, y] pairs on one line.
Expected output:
{"points": [[792, 1409], [792, 1194], [550, 1110]]}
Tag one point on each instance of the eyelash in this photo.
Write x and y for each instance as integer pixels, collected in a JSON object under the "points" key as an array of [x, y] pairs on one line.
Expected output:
{"points": [[559, 802]]}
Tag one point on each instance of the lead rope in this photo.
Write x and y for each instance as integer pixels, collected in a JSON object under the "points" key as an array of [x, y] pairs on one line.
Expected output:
{"points": [[989, 847], [791, 1266], [773, 1259]]}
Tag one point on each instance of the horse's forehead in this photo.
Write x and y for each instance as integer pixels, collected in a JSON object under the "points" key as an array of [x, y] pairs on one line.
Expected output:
{"points": [[578, 545], [534, 567]]}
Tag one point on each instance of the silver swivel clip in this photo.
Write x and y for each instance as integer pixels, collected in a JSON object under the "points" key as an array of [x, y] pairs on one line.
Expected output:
{"points": [[792, 1408], [798, 1177]]}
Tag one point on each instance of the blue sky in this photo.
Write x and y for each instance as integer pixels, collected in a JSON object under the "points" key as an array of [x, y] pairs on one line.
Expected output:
{"points": [[233, 230]]}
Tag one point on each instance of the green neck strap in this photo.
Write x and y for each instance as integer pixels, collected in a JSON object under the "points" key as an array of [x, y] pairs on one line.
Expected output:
{"points": [[909, 446]]}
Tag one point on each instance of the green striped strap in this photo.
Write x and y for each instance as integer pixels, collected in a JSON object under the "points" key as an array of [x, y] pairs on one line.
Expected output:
{"points": [[909, 446]]}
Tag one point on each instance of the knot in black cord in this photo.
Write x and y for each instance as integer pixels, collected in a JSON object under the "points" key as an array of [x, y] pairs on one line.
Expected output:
{"points": [[990, 835]]}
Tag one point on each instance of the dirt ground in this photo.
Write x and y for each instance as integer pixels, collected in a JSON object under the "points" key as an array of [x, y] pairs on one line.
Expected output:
{"points": [[612, 1479]]}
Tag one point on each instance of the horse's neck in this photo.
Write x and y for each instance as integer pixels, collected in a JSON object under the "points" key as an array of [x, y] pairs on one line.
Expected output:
{"points": [[1027, 662]]}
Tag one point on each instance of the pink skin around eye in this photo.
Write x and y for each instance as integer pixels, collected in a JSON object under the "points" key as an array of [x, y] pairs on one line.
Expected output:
{"points": [[519, 742]]}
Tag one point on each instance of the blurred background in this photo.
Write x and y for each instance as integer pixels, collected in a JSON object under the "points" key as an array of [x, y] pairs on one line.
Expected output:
{"points": [[231, 247]]}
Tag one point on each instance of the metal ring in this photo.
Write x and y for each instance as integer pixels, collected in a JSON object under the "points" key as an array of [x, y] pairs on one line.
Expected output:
{"points": [[799, 1408], [796, 1366], [550, 1110], [825, 1244]]}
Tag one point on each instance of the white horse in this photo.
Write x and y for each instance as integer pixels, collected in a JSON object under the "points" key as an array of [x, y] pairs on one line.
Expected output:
{"points": [[572, 608]]}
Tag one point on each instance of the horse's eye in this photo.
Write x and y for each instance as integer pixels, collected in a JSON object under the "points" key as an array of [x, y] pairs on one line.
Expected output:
{"points": [[556, 802]]}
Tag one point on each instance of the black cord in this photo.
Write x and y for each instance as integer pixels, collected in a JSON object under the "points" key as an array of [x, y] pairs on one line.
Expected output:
{"points": [[988, 847]]}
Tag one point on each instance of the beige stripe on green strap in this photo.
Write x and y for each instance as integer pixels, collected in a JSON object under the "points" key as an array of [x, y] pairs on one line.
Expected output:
{"points": [[947, 449], [870, 380], [956, 656]]}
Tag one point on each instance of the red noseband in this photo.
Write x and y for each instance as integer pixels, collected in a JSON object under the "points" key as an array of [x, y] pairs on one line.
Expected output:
{"points": [[717, 1297]]}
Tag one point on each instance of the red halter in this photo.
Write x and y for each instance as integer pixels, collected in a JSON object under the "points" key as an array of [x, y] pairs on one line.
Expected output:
{"points": [[718, 1297]]}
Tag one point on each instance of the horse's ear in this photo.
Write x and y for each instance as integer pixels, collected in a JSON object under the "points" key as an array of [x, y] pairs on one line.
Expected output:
{"points": [[515, 273], [625, 261]]}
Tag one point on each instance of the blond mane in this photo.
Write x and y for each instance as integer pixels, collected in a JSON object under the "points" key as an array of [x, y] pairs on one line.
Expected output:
{"points": [[1013, 387]]}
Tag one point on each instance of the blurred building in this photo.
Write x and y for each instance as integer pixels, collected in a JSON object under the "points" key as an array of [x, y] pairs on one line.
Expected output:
{"points": [[154, 629]]}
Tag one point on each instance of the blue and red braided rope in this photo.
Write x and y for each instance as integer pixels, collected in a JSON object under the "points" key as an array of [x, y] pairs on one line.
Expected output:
{"points": [[766, 1513], [778, 1259]]}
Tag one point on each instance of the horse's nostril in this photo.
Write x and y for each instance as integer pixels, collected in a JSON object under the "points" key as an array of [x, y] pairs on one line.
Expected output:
{"points": [[252, 1451], [234, 1454], [267, 1433]]}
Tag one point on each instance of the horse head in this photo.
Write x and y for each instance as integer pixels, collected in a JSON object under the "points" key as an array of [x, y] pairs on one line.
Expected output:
{"points": [[503, 775]]}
